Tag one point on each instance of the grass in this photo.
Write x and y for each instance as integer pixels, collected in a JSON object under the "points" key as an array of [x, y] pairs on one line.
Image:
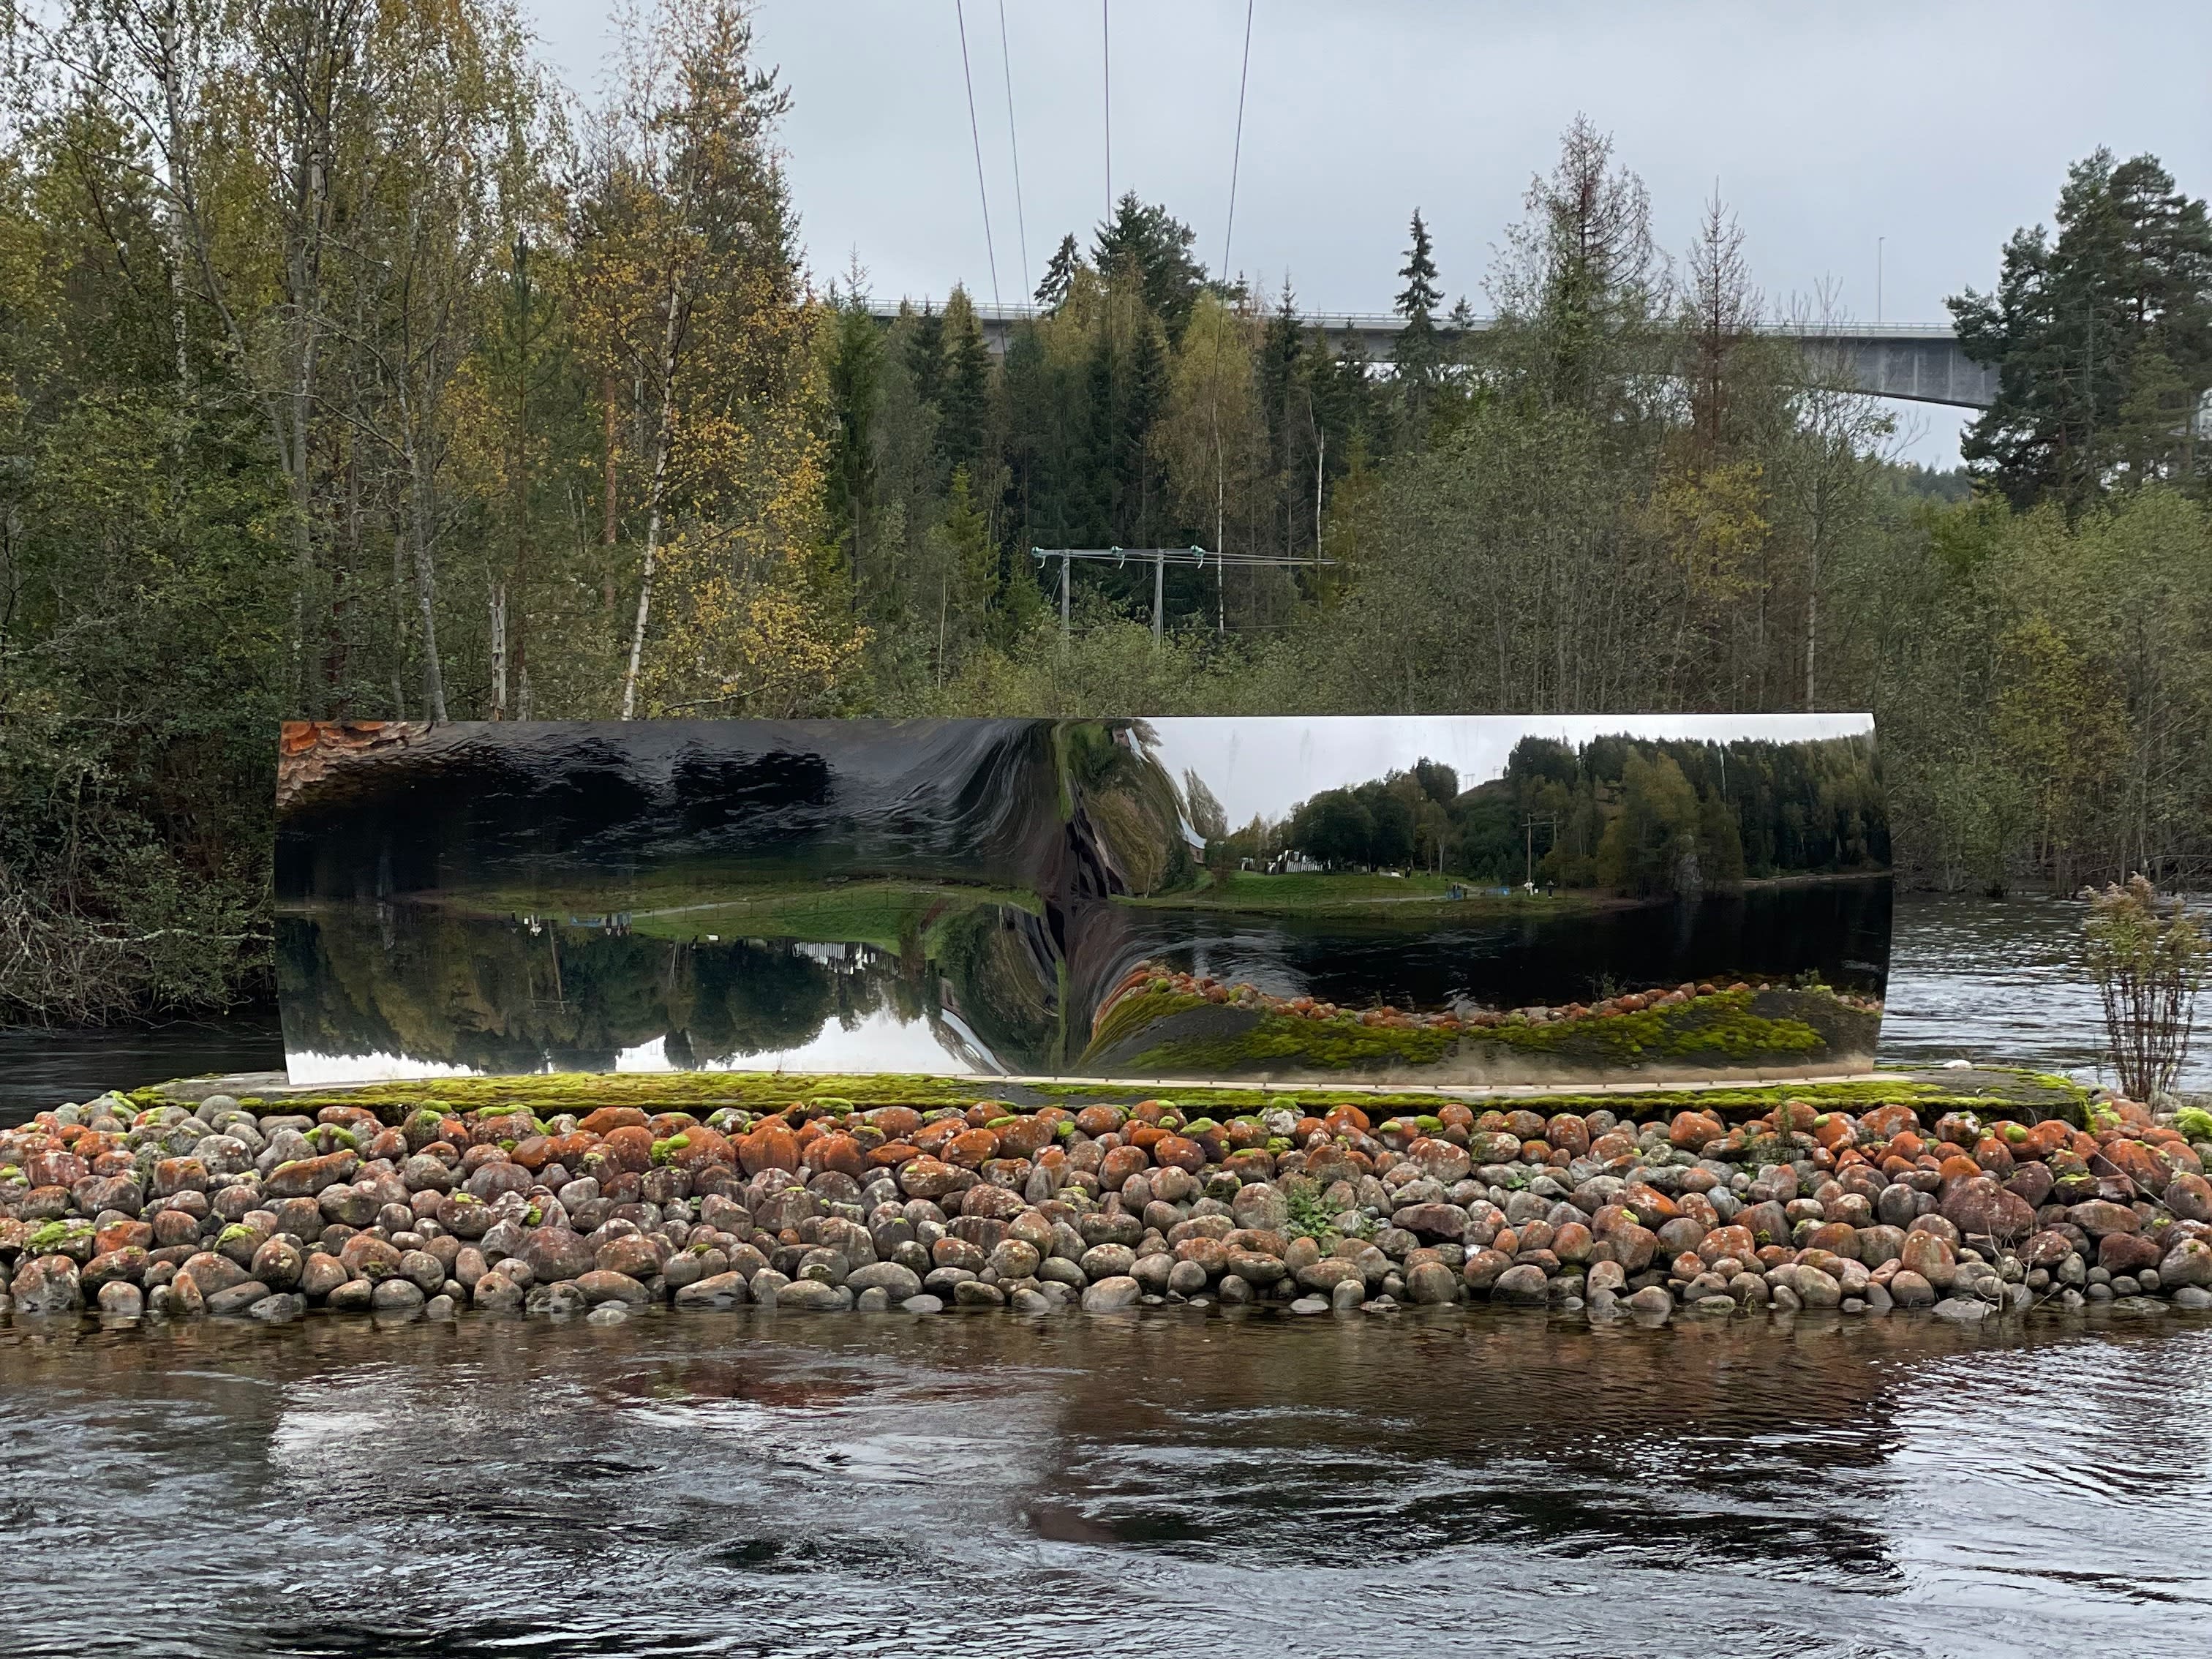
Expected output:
{"points": [[688, 905], [1248, 892]]}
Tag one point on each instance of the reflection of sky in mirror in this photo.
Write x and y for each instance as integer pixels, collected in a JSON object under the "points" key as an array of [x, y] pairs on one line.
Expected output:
{"points": [[1263, 767], [306, 1067], [879, 1042]]}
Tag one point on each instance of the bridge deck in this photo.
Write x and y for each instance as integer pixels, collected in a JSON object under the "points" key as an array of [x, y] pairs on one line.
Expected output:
{"points": [[1918, 363]]}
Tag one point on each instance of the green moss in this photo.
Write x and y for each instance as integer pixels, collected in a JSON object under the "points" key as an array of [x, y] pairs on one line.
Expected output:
{"points": [[1720, 1025], [44, 1240], [1336, 1045]]}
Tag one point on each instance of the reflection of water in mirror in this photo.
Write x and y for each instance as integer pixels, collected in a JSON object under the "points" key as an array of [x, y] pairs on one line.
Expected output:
{"points": [[1840, 931], [427, 993], [1971, 978]]}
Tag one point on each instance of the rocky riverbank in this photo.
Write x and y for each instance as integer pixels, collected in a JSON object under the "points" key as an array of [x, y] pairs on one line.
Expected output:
{"points": [[259, 1210]]}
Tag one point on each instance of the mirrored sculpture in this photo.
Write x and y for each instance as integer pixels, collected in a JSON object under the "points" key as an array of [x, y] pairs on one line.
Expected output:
{"points": [[1452, 901]]}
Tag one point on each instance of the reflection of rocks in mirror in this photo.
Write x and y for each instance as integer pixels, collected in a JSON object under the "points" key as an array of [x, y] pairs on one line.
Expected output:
{"points": [[1448, 901]]}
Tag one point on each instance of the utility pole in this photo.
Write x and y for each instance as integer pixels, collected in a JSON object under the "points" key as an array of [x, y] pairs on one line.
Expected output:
{"points": [[1878, 242], [1550, 821], [1160, 557]]}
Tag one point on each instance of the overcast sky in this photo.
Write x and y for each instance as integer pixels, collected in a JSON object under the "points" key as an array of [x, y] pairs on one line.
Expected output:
{"points": [[1937, 127]]}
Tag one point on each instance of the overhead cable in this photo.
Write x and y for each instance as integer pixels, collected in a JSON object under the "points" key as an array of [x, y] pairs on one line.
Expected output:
{"points": [[1237, 155], [976, 137], [1014, 144]]}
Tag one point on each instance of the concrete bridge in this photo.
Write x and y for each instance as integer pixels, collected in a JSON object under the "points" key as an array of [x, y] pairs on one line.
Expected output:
{"points": [[1919, 362]]}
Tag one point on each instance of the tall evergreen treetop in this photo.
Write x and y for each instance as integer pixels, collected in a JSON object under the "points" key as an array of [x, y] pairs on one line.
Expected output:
{"points": [[2101, 338], [1418, 357], [1059, 272], [1145, 242], [1418, 300]]}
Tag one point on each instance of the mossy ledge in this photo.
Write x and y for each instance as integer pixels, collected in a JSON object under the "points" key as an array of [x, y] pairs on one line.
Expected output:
{"points": [[2002, 1092]]}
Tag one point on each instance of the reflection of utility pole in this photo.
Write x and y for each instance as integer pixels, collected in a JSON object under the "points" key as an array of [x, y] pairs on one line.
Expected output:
{"points": [[1550, 821]]}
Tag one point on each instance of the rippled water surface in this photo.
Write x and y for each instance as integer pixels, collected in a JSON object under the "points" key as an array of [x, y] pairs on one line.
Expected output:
{"points": [[791, 1483]]}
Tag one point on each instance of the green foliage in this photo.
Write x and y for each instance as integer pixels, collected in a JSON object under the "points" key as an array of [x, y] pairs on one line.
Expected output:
{"points": [[2148, 958], [1310, 1216], [2101, 338]]}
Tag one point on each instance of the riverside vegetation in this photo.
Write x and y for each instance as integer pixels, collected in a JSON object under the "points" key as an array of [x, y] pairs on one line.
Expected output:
{"points": [[392, 1202], [351, 369]]}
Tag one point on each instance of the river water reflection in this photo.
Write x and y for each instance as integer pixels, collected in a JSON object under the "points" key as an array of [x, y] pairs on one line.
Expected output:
{"points": [[1968, 978], [800, 1485]]}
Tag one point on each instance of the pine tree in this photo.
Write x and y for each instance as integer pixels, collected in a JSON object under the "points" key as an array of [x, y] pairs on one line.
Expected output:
{"points": [[854, 378], [925, 354], [2101, 338], [1418, 357]]}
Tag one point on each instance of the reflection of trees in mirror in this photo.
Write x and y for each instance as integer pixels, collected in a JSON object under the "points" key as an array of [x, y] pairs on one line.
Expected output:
{"points": [[1641, 817], [505, 996]]}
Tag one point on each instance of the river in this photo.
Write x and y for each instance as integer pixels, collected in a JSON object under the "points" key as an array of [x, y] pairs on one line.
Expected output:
{"points": [[793, 1484], [802, 1484]]}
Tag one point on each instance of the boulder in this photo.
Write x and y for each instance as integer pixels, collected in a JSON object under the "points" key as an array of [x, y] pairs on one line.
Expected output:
{"points": [[1521, 1286], [1111, 1295], [1982, 1206]]}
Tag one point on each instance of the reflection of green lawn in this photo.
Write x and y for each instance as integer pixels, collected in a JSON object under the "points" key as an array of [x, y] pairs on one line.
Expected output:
{"points": [[1248, 891], [877, 913]]}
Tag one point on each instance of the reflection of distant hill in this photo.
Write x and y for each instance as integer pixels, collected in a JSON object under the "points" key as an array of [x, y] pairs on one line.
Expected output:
{"points": [[1638, 816]]}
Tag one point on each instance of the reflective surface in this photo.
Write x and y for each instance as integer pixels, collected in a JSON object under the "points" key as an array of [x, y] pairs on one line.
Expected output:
{"points": [[1060, 898], [777, 1484], [1971, 979]]}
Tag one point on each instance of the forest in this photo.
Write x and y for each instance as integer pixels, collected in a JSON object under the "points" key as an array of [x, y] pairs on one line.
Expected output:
{"points": [[350, 365]]}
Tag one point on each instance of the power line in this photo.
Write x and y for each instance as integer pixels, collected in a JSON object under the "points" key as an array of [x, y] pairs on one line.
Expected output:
{"points": [[1106, 61], [1237, 155], [1014, 144], [976, 137]]}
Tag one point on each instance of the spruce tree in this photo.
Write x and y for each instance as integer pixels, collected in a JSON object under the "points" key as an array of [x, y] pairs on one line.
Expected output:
{"points": [[1419, 354], [963, 433], [1059, 272], [1140, 484], [1150, 245], [856, 391]]}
